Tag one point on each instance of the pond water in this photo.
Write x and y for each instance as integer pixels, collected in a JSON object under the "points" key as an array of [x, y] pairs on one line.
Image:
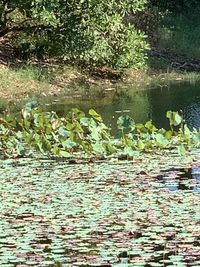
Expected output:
{"points": [[181, 179], [142, 105], [143, 212]]}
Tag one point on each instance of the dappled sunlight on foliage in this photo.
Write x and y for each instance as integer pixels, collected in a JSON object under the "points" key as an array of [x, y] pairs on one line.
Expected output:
{"points": [[91, 33]]}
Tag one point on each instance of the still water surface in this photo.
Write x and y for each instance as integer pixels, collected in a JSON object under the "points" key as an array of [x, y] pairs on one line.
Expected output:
{"points": [[142, 105]]}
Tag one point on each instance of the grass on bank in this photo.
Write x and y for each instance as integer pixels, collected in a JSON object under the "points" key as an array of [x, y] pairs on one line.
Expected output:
{"points": [[33, 80], [29, 80], [21, 82]]}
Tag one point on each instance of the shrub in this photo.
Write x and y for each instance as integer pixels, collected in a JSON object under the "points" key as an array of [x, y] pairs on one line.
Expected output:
{"points": [[87, 31]]}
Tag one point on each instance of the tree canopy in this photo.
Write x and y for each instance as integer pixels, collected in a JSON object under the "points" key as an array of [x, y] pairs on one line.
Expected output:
{"points": [[87, 31]]}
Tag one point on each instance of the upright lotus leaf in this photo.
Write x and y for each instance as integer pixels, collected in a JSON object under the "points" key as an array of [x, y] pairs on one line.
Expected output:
{"points": [[168, 134], [95, 134], [170, 116], [48, 133], [98, 147], [68, 144], [196, 138], [181, 150], [129, 151], [186, 130], [20, 149], [125, 122], [174, 118], [56, 150], [177, 119], [44, 144], [39, 120], [140, 128], [78, 127], [111, 149], [149, 125], [140, 145], [63, 132], [161, 140], [95, 115], [69, 126], [85, 121], [76, 114]]}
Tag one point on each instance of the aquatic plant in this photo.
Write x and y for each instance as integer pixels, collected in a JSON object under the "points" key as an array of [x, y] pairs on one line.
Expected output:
{"points": [[35, 130], [114, 213]]}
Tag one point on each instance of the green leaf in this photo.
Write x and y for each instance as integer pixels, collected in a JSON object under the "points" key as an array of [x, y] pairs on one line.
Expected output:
{"points": [[140, 145], [149, 125], [161, 141], [187, 131], [56, 150], [64, 154], [181, 150], [95, 134], [98, 147], [129, 151], [95, 115], [177, 119], [174, 118], [68, 144], [168, 134], [125, 122]]}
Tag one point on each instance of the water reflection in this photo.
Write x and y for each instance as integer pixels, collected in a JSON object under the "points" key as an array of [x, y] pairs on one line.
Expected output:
{"points": [[183, 179], [142, 105]]}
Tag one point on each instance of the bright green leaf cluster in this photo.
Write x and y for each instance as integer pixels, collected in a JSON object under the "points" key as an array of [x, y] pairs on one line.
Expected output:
{"points": [[36, 130]]}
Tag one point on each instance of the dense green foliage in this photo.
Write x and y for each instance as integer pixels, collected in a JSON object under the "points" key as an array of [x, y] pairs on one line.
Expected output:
{"points": [[90, 32], [181, 33], [35, 129]]}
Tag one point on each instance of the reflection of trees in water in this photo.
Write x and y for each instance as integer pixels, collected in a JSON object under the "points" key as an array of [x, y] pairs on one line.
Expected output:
{"points": [[137, 102], [181, 96], [143, 105], [196, 176]]}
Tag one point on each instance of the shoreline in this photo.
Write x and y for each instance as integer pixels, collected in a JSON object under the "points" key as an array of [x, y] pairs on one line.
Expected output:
{"points": [[33, 81]]}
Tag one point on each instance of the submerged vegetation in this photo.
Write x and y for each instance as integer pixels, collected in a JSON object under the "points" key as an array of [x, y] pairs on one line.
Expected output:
{"points": [[46, 132]]}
